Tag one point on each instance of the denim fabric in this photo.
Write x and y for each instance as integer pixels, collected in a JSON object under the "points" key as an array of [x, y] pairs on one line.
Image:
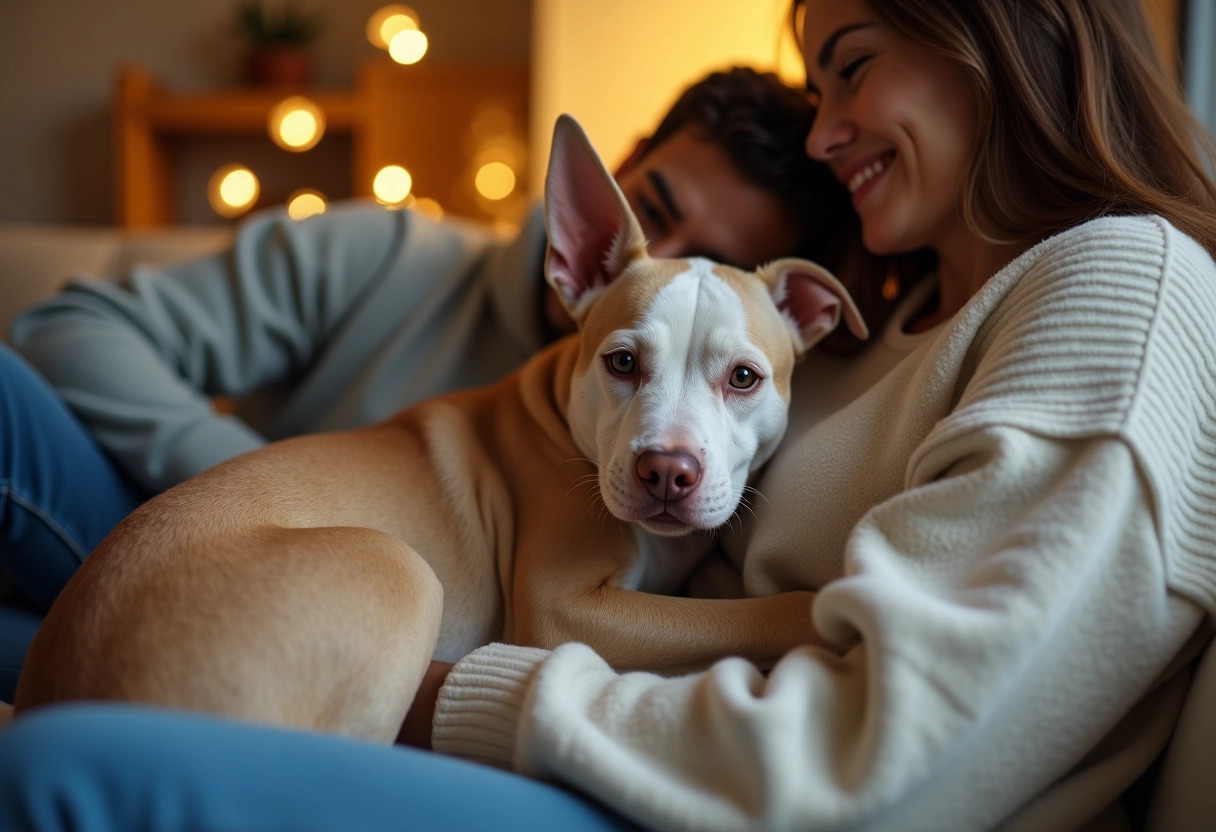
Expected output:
{"points": [[59, 496], [96, 768]]}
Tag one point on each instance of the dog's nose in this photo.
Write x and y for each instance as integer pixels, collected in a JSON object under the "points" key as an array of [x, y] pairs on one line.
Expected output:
{"points": [[668, 475]]}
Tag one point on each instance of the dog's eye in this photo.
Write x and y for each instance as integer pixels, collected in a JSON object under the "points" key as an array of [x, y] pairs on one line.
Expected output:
{"points": [[743, 378], [621, 363]]}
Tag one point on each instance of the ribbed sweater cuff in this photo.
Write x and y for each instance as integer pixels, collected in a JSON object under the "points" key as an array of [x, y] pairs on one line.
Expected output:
{"points": [[477, 715]]}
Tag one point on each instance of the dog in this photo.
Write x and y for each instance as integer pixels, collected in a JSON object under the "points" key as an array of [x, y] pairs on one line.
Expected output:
{"points": [[309, 583]]}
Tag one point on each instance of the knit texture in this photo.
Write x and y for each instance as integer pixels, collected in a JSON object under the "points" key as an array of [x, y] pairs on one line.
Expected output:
{"points": [[1011, 538], [1115, 340]]}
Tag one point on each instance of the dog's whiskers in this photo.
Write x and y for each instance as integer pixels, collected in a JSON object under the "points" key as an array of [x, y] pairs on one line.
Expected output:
{"points": [[584, 459], [745, 503], [587, 480], [747, 489]]}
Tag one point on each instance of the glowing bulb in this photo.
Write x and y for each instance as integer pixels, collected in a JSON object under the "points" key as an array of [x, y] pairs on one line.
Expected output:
{"points": [[394, 25], [305, 203], [232, 190], [389, 21], [392, 185], [495, 180], [428, 208], [407, 47], [296, 124]]}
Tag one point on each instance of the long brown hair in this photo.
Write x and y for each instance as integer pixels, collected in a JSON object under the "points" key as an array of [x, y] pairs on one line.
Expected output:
{"points": [[1079, 118]]}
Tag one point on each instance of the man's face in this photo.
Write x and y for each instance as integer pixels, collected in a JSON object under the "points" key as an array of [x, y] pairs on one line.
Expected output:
{"points": [[691, 201]]}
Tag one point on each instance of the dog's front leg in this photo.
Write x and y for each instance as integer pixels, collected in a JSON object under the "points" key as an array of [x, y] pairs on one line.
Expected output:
{"points": [[640, 631]]}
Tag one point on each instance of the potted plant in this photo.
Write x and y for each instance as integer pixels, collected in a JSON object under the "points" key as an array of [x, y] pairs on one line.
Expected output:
{"points": [[278, 42]]}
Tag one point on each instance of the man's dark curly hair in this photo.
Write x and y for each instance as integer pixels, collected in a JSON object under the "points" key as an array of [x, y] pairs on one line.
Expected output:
{"points": [[762, 124]]}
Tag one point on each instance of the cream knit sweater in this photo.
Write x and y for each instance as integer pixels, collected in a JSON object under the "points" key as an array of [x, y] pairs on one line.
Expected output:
{"points": [[1013, 535]]}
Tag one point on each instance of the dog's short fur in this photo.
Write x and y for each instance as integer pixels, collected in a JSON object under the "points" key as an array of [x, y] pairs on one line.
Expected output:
{"points": [[310, 582]]}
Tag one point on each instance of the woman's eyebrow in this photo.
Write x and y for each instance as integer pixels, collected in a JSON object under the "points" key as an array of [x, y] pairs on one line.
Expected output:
{"points": [[828, 50]]}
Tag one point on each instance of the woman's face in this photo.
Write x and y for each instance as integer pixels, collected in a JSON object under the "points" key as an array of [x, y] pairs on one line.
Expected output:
{"points": [[896, 123]]}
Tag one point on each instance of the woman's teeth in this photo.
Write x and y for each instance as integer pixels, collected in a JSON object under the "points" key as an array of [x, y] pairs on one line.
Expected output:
{"points": [[867, 173]]}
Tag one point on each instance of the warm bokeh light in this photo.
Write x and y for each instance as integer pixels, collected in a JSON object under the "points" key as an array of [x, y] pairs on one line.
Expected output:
{"points": [[392, 185], [495, 180], [232, 190], [407, 47], [305, 203], [296, 123], [388, 21], [428, 208], [491, 122]]}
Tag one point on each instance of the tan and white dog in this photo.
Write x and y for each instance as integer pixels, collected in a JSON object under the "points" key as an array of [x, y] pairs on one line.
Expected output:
{"points": [[310, 582]]}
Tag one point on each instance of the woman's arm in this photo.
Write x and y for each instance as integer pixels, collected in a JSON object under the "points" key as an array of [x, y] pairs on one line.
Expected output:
{"points": [[1011, 609]]}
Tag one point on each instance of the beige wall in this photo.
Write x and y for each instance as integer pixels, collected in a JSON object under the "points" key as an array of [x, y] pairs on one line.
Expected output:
{"points": [[57, 64], [617, 66]]}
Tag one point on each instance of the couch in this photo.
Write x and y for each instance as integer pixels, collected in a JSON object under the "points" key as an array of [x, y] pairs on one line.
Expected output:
{"points": [[36, 259]]}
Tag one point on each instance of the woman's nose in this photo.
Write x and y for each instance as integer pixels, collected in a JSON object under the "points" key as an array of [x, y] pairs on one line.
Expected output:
{"points": [[829, 132]]}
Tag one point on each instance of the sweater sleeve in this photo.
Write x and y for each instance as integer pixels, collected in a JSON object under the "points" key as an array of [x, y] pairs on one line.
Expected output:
{"points": [[1007, 611], [138, 359]]}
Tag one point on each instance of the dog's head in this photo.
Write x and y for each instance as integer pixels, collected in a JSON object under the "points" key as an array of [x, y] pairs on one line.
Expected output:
{"points": [[682, 384]]}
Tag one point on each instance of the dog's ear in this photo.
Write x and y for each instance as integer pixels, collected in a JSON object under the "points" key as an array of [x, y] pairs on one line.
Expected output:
{"points": [[593, 234], [811, 300]]}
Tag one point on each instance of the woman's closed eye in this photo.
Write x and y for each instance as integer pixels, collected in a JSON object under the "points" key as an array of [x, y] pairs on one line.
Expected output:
{"points": [[847, 71]]}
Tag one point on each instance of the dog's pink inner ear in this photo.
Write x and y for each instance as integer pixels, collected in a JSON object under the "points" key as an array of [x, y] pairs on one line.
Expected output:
{"points": [[591, 230], [581, 235], [813, 308]]}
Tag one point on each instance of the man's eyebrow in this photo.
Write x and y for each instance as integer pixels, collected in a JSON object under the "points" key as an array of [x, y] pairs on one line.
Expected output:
{"points": [[664, 191], [827, 51]]}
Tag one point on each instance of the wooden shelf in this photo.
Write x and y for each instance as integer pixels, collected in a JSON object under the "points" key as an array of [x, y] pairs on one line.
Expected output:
{"points": [[413, 116], [243, 112]]}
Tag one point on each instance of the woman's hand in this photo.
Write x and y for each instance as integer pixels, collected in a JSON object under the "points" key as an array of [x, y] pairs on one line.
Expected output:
{"points": [[416, 728]]}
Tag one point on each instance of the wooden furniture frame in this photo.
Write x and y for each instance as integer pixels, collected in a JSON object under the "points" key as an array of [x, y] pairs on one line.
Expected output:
{"points": [[413, 116]]}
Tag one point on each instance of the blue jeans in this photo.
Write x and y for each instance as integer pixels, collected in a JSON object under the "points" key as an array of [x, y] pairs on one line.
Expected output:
{"points": [[92, 768], [59, 496]]}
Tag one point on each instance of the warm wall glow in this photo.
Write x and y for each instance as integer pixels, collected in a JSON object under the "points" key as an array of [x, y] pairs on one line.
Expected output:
{"points": [[392, 185], [407, 47], [296, 123], [305, 203], [580, 65], [388, 21], [232, 190], [495, 180]]}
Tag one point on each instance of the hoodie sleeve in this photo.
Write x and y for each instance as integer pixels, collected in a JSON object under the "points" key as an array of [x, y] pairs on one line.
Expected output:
{"points": [[138, 359]]}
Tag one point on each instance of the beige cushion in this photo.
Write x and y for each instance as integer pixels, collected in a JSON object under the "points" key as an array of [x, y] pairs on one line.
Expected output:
{"points": [[36, 260], [1184, 799]]}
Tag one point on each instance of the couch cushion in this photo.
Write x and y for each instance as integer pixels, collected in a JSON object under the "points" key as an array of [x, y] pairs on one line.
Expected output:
{"points": [[36, 260]]}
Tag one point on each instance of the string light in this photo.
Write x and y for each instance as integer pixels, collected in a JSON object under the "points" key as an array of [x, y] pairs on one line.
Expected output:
{"points": [[305, 203], [232, 190], [392, 185], [296, 124]]}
